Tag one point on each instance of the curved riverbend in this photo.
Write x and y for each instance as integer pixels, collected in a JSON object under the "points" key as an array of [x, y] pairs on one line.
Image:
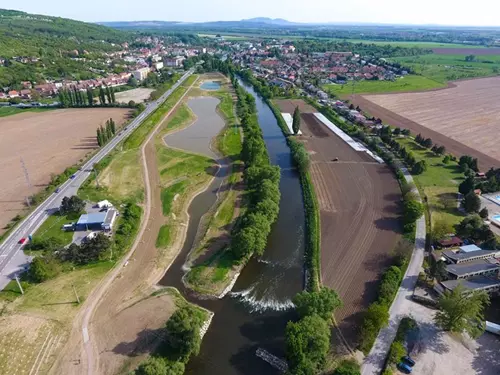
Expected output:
{"points": [[255, 314]]}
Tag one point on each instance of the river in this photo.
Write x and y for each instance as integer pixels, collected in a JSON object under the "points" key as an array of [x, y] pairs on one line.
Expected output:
{"points": [[255, 314]]}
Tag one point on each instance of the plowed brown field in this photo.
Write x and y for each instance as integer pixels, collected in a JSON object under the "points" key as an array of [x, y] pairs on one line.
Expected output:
{"points": [[464, 118], [359, 210], [48, 142]]}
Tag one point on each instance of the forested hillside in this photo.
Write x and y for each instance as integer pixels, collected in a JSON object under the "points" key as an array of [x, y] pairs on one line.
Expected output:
{"points": [[47, 44]]}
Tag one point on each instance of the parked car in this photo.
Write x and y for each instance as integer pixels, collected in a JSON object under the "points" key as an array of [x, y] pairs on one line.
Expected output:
{"points": [[408, 360], [58, 190], [404, 368], [22, 241]]}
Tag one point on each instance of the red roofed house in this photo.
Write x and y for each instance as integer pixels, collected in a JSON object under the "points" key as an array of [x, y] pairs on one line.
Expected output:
{"points": [[13, 94]]}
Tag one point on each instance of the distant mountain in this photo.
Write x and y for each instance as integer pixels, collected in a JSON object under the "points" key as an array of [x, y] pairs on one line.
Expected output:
{"points": [[269, 21], [139, 24]]}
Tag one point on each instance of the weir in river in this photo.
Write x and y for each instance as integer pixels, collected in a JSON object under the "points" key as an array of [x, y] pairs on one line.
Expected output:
{"points": [[252, 318]]}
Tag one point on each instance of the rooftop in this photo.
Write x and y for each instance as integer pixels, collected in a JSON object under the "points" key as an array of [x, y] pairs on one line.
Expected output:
{"points": [[469, 248], [480, 265], [95, 218], [456, 256], [474, 283]]}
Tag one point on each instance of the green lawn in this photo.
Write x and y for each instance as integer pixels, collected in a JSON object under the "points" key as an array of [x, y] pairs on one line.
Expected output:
{"points": [[425, 45], [439, 183], [408, 83], [444, 68], [9, 111], [168, 194], [51, 228], [164, 236]]}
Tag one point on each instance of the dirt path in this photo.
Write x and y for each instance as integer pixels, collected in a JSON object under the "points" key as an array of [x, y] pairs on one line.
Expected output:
{"points": [[118, 318]]}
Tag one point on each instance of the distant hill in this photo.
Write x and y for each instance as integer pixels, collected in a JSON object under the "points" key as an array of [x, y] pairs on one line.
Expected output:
{"points": [[24, 34], [269, 21], [139, 24]]}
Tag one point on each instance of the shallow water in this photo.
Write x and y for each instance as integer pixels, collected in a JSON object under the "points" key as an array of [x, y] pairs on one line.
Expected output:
{"points": [[255, 313], [210, 85]]}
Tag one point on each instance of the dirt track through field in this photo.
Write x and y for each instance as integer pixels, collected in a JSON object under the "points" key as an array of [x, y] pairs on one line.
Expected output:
{"points": [[463, 131], [359, 212], [48, 142]]}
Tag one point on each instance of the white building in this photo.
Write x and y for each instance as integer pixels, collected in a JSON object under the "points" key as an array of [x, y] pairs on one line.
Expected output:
{"points": [[140, 74], [158, 65], [174, 62]]}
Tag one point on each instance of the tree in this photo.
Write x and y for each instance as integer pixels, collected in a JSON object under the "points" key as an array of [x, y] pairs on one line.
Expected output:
{"points": [[397, 131], [132, 81], [108, 95], [427, 143], [296, 121], [471, 203], [446, 159], [102, 96], [73, 205], [406, 132], [419, 167], [183, 332], [159, 366], [322, 303], [90, 97], [347, 367], [440, 150], [473, 227], [438, 270], [462, 310], [99, 138], [484, 213], [113, 99], [440, 228], [470, 58], [307, 344], [112, 126], [42, 269], [396, 352], [412, 210], [467, 185]]}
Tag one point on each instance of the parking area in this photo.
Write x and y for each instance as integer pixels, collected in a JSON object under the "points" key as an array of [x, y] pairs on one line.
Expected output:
{"points": [[437, 352]]}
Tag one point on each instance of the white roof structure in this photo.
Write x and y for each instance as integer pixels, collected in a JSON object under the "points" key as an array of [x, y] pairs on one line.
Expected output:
{"points": [[104, 203], [469, 248]]}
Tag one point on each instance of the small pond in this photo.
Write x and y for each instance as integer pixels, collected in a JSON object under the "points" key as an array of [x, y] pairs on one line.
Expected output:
{"points": [[210, 85]]}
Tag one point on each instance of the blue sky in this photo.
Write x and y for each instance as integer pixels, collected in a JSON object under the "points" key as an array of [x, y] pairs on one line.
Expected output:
{"points": [[444, 12]]}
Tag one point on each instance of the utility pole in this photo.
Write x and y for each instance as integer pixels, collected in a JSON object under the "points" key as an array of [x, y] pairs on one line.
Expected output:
{"points": [[27, 177], [76, 294], [19, 284]]}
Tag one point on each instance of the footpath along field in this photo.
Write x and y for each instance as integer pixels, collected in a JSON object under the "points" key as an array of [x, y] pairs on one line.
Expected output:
{"points": [[359, 212]]}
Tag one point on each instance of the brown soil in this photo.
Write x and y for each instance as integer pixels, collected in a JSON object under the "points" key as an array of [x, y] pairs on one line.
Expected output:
{"points": [[359, 213], [288, 106], [464, 118], [48, 142]]}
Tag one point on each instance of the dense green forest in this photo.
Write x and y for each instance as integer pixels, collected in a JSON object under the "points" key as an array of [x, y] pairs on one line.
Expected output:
{"points": [[51, 40]]}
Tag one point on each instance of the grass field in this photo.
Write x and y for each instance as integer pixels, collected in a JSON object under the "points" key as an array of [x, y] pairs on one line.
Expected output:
{"points": [[425, 45], [122, 177], [9, 111], [408, 83], [168, 195], [444, 68], [164, 236], [439, 183], [51, 228]]}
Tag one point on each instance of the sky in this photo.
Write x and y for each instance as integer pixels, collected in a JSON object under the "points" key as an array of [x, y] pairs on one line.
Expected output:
{"points": [[420, 12]]}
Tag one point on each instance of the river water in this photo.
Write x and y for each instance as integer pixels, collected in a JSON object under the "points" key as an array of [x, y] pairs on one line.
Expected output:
{"points": [[255, 314]]}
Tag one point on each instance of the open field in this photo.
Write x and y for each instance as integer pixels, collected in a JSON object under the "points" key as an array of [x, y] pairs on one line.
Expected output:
{"points": [[48, 142], [9, 111], [407, 83], [359, 212], [450, 67], [474, 50], [465, 118], [137, 95], [439, 183]]}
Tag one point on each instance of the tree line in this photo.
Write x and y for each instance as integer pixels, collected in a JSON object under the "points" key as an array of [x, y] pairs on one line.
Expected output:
{"points": [[77, 98], [104, 134]]}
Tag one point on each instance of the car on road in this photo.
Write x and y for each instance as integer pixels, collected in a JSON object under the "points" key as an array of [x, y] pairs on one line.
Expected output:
{"points": [[58, 190], [73, 176], [22, 241], [408, 360]]}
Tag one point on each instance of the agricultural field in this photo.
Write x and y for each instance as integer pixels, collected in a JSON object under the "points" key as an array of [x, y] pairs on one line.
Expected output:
{"points": [[464, 118], [137, 95], [407, 83], [359, 214], [48, 142], [449, 67], [9, 111]]}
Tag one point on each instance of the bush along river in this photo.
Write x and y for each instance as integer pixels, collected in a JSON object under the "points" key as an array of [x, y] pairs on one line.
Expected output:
{"points": [[250, 321]]}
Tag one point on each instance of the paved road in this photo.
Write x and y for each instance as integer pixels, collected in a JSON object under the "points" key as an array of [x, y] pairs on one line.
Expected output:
{"points": [[402, 304], [12, 258]]}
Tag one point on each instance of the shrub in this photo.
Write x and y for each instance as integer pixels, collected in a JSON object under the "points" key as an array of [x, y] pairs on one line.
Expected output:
{"points": [[347, 367], [396, 352]]}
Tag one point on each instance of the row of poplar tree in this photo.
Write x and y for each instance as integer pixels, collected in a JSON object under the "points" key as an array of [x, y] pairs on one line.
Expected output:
{"points": [[104, 134], [77, 98]]}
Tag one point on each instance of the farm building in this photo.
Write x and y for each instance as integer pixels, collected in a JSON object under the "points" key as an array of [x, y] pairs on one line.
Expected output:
{"points": [[97, 221]]}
